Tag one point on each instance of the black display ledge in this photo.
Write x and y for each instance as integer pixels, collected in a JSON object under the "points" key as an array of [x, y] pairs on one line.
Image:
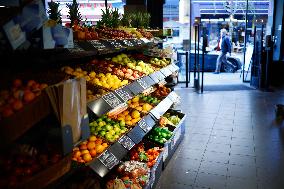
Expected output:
{"points": [[117, 98], [112, 156]]}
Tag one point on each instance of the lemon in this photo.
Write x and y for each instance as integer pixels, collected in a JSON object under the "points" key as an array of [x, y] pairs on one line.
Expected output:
{"points": [[135, 99]]}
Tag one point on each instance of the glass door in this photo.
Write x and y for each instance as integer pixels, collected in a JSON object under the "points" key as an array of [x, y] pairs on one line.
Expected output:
{"points": [[176, 16]]}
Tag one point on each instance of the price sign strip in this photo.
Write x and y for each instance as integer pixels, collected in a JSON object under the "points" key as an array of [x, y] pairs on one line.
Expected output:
{"points": [[108, 159], [144, 126], [143, 83], [111, 100], [166, 71], [160, 75], [126, 142], [124, 95], [98, 45]]}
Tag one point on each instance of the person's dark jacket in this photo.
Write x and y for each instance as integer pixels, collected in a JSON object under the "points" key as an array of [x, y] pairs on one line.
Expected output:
{"points": [[226, 44]]}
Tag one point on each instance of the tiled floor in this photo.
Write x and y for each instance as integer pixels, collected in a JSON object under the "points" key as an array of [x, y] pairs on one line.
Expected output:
{"points": [[231, 141]]}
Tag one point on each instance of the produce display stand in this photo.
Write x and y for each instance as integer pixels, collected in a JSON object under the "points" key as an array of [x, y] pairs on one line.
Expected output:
{"points": [[110, 158]]}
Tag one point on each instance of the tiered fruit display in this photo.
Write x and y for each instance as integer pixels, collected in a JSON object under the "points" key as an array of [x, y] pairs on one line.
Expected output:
{"points": [[112, 33], [140, 154], [121, 71], [160, 134], [149, 99], [160, 62], [161, 91], [140, 66], [18, 96], [169, 119], [129, 117], [108, 129], [89, 149], [139, 105]]}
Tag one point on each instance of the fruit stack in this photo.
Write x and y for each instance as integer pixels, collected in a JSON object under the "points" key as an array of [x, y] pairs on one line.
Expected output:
{"points": [[149, 156], [160, 135], [140, 66], [24, 162], [111, 33], [137, 104], [18, 96], [149, 99], [161, 92], [119, 70], [108, 129], [89, 149], [129, 117]]}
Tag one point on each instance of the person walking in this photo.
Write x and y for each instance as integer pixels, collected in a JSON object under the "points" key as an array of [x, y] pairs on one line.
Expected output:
{"points": [[225, 48]]}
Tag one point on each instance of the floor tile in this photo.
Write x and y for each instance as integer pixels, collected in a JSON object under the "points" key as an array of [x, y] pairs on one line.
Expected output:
{"points": [[211, 181], [239, 183]]}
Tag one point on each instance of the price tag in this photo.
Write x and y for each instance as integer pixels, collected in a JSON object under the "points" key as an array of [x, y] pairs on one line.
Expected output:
{"points": [[165, 152], [166, 71], [135, 88], [154, 77], [142, 83], [143, 125], [126, 142], [108, 159], [76, 47], [127, 43], [116, 44], [160, 76], [123, 94], [111, 100], [173, 97], [171, 68], [98, 45]]}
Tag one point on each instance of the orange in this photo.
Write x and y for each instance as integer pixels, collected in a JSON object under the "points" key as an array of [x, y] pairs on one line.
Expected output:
{"points": [[83, 147], [92, 138], [17, 83], [84, 152], [91, 145], [17, 105], [87, 157], [7, 112], [93, 152], [76, 154], [29, 96], [31, 83], [99, 141], [99, 149]]}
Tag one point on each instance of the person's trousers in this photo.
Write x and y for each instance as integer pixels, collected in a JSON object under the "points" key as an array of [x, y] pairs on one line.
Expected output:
{"points": [[221, 59]]}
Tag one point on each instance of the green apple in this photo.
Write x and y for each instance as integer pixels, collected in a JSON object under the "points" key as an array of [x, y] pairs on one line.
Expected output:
{"points": [[108, 136], [102, 133], [116, 137], [112, 132], [122, 123], [109, 127]]}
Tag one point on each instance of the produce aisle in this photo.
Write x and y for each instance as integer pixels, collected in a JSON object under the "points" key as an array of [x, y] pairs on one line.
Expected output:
{"points": [[99, 113]]}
